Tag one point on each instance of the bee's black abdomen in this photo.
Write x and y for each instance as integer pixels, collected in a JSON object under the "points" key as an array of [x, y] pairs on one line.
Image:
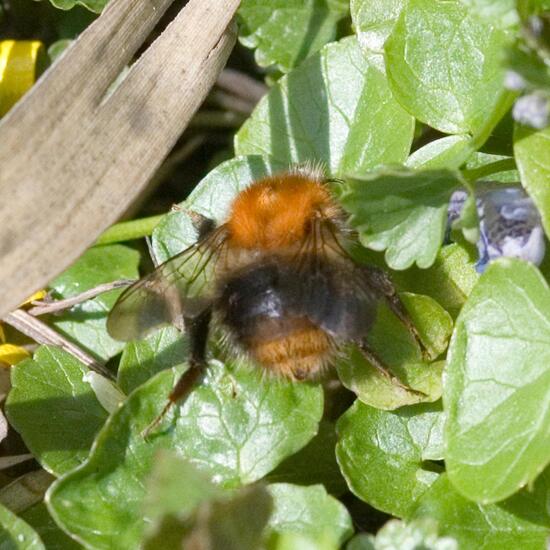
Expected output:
{"points": [[270, 299]]}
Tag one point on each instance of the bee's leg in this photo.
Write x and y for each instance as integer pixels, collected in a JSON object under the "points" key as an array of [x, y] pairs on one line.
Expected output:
{"points": [[371, 356], [379, 281], [197, 330]]}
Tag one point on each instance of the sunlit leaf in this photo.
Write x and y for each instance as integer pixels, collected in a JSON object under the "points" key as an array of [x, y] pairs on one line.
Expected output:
{"points": [[236, 427], [497, 392], [310, 115], [54, 408], [285, 32]]}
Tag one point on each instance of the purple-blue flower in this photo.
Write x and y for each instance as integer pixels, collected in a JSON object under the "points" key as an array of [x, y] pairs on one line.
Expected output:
{"points": [[509, 225]]}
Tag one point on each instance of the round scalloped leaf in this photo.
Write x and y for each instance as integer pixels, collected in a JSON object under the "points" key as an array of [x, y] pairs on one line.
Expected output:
{"points": [[54, 408], [93, 5], [308, 511], [383, 454], [519, 522], [236, 426], [399, 350], [445, 65], [335, 108], [285, 32], [374, 20], [497, 384], [532, 152], [15, 534], [402, 212]]}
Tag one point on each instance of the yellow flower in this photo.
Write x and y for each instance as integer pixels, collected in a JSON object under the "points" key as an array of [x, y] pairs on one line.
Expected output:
{"points": [[11, 354], [21, 62]]}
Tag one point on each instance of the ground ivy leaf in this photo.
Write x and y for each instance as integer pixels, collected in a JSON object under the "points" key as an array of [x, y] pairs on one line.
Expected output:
{"points": [[448, 152], [235, 426], [142, 359], [484, 527], [308, 511], [93, 5], [315, 463], [449, 280], [310, 115], [189, 509], [401, 353], [176, 487], [532, 152], [502, 13], [54, 409], [15, 534], [421, 534], [381, 454], [53, 538], [479, 162], [444, 65], [374, 21], [285, 32], [401, 212], [85, 322], [292, 541], [497, 382], [211, 198], [219, 525]]}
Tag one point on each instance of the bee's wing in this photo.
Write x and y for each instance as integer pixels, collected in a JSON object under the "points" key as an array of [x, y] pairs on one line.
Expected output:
{"points": [[182, 286], [328, 268]]}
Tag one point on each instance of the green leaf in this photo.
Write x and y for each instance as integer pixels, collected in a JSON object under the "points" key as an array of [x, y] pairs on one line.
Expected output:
{"points": [[308, 511], [236, 427], [520, 522], [93, 5], [502, 13], [444, 65], [401, 212], [54, 409], [532, 152], [449, 152], [40, 520], [399, 350], [175, 487], [229, 524], [211, 198], [85, 322], [335, 108], [189, 510], [382, 454], [285, 32], [449, 280], [315, 463], [293, 541], [15, 534], [496, 168], [421, 534], [142, 359], [496, 392], [374, 21]]}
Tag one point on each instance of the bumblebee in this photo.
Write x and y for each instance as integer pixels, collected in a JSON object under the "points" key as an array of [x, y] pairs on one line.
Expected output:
{"points": [[276, 278]]}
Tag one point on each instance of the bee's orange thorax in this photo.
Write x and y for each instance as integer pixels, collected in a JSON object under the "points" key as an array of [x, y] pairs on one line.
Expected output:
{"points": [[274, 212]]}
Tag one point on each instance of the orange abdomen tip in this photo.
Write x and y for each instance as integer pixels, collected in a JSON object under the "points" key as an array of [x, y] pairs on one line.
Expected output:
{"points": [[274, 212]]}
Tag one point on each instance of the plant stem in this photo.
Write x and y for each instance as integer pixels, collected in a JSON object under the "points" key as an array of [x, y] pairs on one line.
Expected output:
{"points": [[130, 230], [493, 168], [43, 334], [41, 307]]}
